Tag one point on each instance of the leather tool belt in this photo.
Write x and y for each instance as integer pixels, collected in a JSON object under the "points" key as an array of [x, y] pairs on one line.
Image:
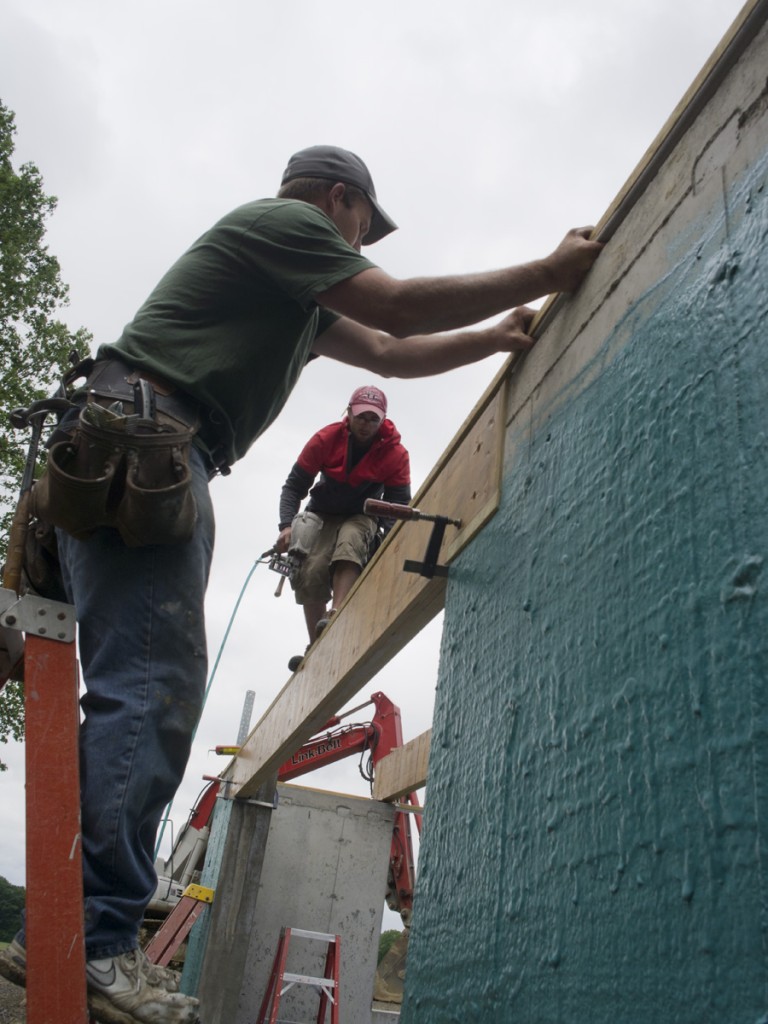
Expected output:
{"points": [[123, 460]]}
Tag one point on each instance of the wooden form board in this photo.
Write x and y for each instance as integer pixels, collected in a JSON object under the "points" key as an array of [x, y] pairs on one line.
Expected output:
{"points": [[387, 606], [404, 770]]}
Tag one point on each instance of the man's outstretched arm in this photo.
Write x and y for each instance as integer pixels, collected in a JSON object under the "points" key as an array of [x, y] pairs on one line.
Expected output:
{"points": [[426, 354], [428, 305]]}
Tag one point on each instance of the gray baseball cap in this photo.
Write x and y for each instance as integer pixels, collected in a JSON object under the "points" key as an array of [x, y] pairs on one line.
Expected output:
{"points": [[337, 164]]}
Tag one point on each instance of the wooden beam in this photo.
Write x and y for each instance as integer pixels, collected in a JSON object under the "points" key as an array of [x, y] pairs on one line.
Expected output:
{"points": [[404, 770], [387, 606]]}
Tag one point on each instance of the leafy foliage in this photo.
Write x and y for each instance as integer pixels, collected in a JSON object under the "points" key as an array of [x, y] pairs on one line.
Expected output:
{"points": [[386, 941], [34, 345], [11, 714], [11, 905]]}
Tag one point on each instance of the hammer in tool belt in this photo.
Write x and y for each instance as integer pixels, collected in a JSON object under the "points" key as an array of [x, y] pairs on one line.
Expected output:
{"points": [[34, 417], [11, 642]]}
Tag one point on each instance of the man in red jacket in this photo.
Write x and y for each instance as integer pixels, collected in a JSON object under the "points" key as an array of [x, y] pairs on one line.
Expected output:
{"points": [[358, 458]]}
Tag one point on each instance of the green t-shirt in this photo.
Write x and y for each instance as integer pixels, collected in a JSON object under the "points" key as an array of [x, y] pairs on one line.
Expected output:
{"points": [[233, 321]]}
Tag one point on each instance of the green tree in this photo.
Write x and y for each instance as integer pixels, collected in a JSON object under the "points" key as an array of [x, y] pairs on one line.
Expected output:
{"points": [[34, 345], [386, 940], [12, 899]]}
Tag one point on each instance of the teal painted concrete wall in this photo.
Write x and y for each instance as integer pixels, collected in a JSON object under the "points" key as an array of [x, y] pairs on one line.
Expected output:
{"points": [[596, 844]]}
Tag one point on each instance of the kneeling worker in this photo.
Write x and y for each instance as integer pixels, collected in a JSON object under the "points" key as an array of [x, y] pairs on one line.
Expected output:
{"points": [[357, 458]]}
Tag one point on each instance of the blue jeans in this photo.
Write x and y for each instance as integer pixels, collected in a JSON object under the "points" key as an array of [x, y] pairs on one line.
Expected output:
{"points": [[142, 649]]}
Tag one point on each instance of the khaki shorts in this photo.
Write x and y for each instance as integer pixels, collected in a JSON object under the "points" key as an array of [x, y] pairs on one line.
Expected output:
{"points": [[341, 539]]}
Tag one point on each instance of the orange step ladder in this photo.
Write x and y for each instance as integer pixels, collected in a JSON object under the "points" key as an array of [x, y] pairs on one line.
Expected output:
{"points": [[38, 646], [37, 639], [281, 980]]}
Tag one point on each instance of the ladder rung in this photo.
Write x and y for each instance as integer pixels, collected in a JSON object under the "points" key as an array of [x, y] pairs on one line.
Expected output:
{"points": [[302, 933], [281, 981], [305, 979]]}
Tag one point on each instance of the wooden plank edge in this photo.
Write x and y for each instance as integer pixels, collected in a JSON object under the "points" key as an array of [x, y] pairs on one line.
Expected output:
{"points": [[404, 770], [283, 722]]}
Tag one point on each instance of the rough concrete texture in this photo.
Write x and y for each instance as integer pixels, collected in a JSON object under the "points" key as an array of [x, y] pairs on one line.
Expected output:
{"points": [[324, 869], [597, 823]]}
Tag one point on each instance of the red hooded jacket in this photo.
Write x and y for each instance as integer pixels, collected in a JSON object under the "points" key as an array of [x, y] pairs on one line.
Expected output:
{"points": [[382, 471]]}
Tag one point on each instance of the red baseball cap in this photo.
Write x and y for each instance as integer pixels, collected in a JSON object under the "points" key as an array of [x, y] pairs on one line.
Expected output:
{"points": [[368, 399]]}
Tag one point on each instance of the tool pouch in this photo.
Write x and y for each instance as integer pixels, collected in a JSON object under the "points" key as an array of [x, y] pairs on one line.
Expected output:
{"points": [[158, 506], [139, 483]]}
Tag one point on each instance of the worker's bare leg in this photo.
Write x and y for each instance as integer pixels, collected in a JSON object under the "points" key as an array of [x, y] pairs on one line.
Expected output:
{"points": [[344, 576], [313, 612], [342, 581]]}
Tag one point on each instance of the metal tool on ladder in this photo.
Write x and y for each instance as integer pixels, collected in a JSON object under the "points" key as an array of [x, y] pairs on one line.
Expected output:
{"points": [[281, 980], [178, 924]]}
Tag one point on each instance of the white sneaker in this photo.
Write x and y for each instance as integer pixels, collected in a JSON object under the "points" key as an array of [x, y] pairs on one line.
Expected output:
{"points": [[119, 993], [13, 967], [157, 975]]}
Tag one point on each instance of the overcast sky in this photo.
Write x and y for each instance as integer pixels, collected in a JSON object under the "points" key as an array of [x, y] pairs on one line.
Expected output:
{"points": [[490, 128]]}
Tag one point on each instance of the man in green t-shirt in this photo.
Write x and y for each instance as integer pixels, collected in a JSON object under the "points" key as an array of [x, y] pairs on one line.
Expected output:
{"points": [[222, 339]]}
